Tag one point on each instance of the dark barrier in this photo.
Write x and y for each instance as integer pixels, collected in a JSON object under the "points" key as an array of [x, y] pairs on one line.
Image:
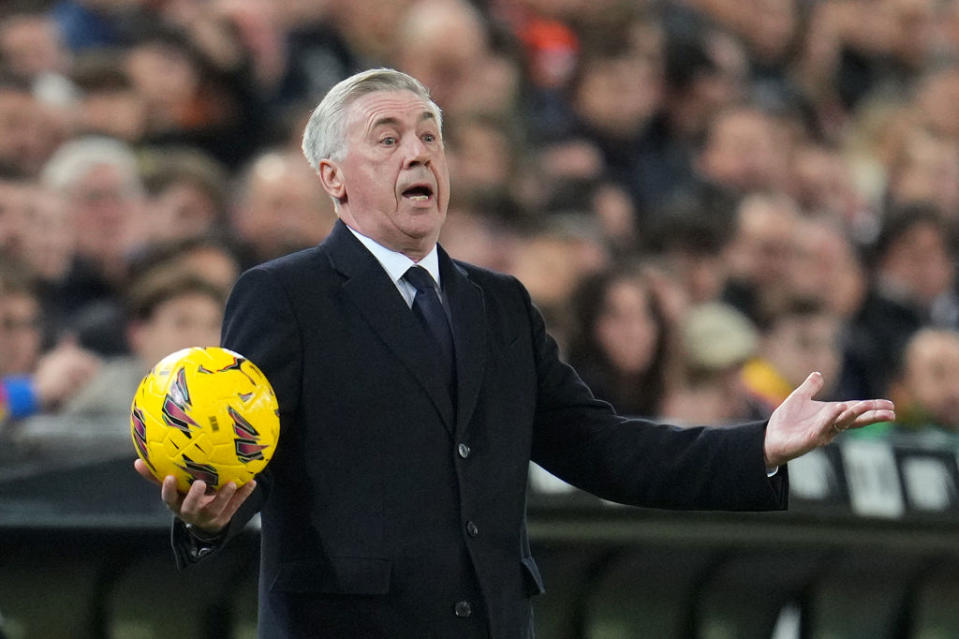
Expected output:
{"points": [[869, 548]]}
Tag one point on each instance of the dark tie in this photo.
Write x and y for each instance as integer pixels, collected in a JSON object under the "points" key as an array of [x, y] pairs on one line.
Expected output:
{"points": [[429, 309]]}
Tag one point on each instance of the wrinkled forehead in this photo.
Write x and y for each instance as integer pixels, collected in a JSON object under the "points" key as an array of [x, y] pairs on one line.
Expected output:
{"points": [[384, 107]]}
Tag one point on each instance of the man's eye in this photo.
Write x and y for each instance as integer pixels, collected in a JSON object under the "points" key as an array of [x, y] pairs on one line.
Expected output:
{"points": [[429, 137], [388, 141]]}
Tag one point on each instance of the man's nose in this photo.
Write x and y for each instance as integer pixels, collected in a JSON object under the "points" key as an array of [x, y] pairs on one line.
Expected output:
{"points": [[416, 151]]}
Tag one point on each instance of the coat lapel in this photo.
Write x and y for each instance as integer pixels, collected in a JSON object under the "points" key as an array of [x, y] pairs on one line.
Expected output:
{"points": [[468, 317], [371, 291]]}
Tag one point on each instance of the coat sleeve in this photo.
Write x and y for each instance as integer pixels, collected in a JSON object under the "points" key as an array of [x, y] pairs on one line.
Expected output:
{"points": [[636, 461], [259, 323]]}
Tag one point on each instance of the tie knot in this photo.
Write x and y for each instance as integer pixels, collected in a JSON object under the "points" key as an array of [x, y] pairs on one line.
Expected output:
{"points": [[421, 279]]}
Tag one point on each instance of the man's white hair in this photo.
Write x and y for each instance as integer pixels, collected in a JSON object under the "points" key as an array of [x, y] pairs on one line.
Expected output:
{"points": [[76, 158], [325, 135]]}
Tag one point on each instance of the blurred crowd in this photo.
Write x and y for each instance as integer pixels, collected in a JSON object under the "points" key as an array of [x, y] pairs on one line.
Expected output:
{"points": [[707, 199]]}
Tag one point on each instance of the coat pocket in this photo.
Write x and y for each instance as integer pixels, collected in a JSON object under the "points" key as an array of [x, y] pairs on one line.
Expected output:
{"points": [[335, 575], [531, 577]]}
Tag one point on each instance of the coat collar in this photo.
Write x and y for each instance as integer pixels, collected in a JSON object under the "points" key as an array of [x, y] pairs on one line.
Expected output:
{"points": [[372, 292]]}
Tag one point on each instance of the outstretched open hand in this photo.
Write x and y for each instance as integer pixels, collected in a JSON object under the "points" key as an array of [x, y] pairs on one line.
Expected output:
{"points": [[801, 423]]}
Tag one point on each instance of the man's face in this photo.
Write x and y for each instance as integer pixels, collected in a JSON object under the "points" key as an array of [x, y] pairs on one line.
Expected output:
{"points": [[393, 182]]}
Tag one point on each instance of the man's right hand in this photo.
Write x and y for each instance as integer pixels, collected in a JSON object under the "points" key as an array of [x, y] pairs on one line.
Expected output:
{"points": [[207, 511]]}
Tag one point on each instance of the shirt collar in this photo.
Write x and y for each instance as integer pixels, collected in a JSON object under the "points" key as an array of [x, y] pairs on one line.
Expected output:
{"points": [[396, 264]]}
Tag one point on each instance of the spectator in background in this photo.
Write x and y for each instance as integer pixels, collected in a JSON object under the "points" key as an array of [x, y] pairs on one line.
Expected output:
{"points": [[186, 195], [107, 102], [281, 207], [689, 241], [169, 309], [620, 341], [100, 182], [444, 43], [715, 343], [803, 335], [760, 254], [208, 257], [31, 381], [553, 259], [925, 170], [29, 129], [913, 285], [744, 151], [31, 46], [926, 387], [827, 267]]}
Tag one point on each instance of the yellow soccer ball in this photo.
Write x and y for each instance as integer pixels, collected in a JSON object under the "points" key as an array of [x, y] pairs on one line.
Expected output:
{"points": [[205, 413]]}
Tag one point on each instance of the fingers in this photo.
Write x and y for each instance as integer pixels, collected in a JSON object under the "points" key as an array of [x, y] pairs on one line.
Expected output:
{"points": [[144, 471], [213, 510], [169, 494], [810, 386], [864, 413]]}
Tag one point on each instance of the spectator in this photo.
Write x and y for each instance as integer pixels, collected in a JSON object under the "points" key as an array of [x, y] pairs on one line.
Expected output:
{"points": [[169, 310], [927, 386], [99, 179], [553, 259], [760, 256], [912, 287], [716, 342], [29, 130], [107, 101], [31, 381], [186, 195], [803, 336], [620, 341], [281, 207]]}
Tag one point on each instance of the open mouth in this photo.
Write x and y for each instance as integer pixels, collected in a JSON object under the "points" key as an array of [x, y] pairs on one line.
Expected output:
{"points": [[419, 192]]}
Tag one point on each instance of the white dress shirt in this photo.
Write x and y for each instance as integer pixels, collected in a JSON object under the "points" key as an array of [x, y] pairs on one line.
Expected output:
{"points": [[396, 264]]}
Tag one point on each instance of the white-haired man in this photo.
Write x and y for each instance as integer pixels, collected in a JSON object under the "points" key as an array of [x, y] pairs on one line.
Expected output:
{"points": [[411, 407]]}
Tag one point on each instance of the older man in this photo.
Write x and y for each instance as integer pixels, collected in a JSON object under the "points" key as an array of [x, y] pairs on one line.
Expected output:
{"points": [[414, 390]]}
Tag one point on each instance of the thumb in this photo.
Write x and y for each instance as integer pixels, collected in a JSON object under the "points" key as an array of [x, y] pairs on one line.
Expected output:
{"points": [[810, 386]]}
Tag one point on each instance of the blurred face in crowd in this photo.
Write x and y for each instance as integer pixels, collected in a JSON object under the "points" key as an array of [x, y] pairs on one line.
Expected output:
{"points": [[919, 263], [931, 375], [117, 112], [442, 43], [107, 209], [927, 170], [284, 208], [625, 329], [764, 243], [166, 78], [50, 237], [30, 45], [744, 151], [800, 343], [182, 210], [20, 333], [28, 132], [393, 182], [827, 268], [188, 319], [619, 95]]}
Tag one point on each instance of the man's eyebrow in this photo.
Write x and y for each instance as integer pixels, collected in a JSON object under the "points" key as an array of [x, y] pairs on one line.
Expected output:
{"points": [[391, 121]]}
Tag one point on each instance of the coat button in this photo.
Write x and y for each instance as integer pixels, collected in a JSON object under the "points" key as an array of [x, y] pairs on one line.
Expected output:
{"points": [[463, 450], [463, 609], [472, 529]]}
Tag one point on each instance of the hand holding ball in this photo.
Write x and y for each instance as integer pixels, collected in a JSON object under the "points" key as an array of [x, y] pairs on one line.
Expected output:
{"points": [[207, 414]]}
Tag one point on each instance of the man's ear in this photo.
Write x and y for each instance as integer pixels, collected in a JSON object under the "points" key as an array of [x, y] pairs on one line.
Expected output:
{"points": [[331, 177]]}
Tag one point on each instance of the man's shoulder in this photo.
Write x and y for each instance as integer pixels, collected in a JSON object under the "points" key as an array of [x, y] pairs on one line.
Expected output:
{"points": [[311, 261], [485, 277]]}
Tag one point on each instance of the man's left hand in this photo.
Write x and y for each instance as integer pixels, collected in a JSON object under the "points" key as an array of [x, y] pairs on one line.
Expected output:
{"points": [[801, 423]]}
